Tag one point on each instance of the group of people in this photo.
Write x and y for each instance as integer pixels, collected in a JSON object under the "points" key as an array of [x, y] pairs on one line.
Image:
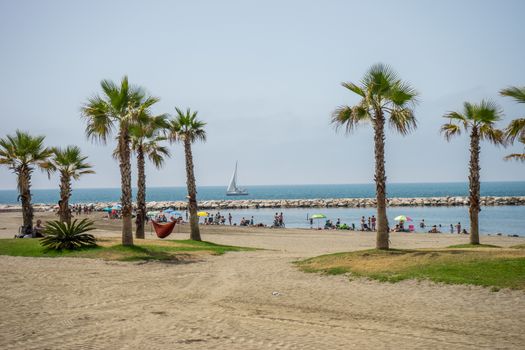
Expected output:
{"points": [[438, 228], [217, 219]]}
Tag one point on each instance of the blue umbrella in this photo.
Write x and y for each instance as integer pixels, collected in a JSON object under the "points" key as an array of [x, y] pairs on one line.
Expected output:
{"points": [[107, 209]]}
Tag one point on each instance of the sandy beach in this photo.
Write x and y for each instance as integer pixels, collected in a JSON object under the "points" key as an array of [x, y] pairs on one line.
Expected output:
{"points": [[247, 300]]}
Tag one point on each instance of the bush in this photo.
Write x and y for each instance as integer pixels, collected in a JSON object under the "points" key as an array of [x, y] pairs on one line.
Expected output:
{"points": [[60, 235]]}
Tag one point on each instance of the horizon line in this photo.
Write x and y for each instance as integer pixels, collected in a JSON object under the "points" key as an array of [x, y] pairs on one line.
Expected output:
{"points": [[310, 184]]}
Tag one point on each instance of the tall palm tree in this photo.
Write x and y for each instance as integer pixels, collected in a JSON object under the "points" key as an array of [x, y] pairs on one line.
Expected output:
{"points": [[479, 120], [186, 128], [516, 128], [71, 164], [118, 108], [384, 98], [21, 153], [146, 136]]}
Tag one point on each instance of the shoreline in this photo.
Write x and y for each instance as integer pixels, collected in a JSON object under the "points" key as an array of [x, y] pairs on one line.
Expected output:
{"points": [[298, 203]]}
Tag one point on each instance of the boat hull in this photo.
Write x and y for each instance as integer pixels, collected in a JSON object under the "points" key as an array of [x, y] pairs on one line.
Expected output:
{"points": [[236, 193]]}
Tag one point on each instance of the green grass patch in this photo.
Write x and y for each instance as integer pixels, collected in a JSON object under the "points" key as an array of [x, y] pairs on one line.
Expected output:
{"points": [[108, 249], [496, 268], [474, 246]]}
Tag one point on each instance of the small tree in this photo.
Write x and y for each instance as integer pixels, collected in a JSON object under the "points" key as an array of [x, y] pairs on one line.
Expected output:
{"points": [[21, 153], [186, 128], [71, 164], [384, 98], [479, 120]]}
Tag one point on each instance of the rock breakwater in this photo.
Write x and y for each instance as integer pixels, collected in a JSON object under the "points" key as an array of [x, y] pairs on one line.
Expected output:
{"points": [[302, 203]]}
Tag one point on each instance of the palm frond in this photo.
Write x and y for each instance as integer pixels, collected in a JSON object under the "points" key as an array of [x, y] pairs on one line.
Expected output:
{"points": [[516, 129], [402, 120], [489, 133], [354, 88], [350, 117], [516, 92], [449, 130], [60, 235]]}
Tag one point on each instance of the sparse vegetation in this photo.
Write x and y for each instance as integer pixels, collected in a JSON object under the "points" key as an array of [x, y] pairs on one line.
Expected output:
{"points": [[489, 266]]}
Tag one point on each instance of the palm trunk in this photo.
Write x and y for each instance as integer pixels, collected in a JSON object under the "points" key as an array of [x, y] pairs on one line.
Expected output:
{"points": [[192, 193], [141, 193], [474, 185], [24, 189], [380, 179], [125, 178], [65, 193]]}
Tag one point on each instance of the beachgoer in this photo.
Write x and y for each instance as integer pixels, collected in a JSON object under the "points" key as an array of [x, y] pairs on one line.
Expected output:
{"points": [[281, 219], [230, 218], [422, 223], [338, 223], [451, 228], [458, 227], [373, 220], [251, 221], [362, 223], [464, 232]]}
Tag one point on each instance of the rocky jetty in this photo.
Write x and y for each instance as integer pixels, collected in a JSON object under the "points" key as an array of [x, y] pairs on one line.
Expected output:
{"points": [[303, 203]]}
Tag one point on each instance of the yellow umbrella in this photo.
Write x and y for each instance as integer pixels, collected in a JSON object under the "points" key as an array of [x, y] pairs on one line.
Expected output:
{"points": [[202, 213]]}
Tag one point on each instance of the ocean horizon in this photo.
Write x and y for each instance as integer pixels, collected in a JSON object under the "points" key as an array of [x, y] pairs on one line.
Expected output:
{"points": [[178, 193]]}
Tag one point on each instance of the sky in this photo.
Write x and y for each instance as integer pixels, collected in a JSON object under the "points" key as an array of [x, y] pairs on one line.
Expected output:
{"points": [[265, 77]]}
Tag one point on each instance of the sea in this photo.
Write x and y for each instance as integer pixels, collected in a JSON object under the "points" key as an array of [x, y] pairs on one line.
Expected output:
{"points": [[507, 220]]}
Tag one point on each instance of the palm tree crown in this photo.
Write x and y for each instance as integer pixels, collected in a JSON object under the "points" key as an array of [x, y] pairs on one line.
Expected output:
{"points": [[516, 128], [146, 135], [69, 162], [120, 105], [23, 150], [186, 127], [481, 117], [381, 92]]}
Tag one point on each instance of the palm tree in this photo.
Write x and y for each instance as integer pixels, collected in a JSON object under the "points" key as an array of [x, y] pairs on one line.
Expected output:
{"points": [[186, 128], [71, 164], [384, 97], [118, 108], [145, 137], [516, 128], [478, 119], [21, 153]]}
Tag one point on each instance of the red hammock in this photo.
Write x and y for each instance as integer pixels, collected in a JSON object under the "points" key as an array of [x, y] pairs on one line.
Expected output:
{"points": [[163, 230]]}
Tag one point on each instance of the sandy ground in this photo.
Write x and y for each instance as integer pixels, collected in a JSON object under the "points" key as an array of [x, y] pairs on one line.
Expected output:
{"points": [[247, 300]]}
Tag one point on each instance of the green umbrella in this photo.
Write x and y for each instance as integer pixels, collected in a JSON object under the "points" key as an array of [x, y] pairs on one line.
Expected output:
{"points": [[318, 216]]}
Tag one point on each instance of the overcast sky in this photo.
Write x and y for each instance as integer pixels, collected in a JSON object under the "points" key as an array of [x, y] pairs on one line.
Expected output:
{"points": [[265, 76]]}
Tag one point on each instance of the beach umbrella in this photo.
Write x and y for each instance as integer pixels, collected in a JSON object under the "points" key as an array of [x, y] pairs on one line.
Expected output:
{"points": [[402, 218], [318, 217], [107, 209], [117, 207], [202, 213]]}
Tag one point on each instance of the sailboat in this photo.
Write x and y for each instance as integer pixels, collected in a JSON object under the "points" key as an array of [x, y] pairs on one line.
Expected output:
{"points": [[233, 190]]}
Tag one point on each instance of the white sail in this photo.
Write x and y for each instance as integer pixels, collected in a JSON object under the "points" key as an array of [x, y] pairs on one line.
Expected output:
{"points": [[233, 182], [233, 190]]}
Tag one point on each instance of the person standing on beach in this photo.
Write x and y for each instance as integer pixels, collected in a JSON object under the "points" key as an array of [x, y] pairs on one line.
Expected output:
{"points": [[458, 227], [251, 221], [373, 221], [362, 223], [451, 228], [230, 218], [281, 219]]}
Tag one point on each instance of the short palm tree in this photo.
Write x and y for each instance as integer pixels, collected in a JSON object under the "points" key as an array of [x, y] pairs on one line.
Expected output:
{"points": [[146, 136], [186, 128], [71, 164], [68, 235], [479, 120], [21, 153], [516, 128], [384, 98], [118, 108]]}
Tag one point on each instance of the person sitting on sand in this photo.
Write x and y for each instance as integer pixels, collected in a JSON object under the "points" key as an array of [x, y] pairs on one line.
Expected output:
{"points": [[38, 230], [464, 232], [434, 230]]}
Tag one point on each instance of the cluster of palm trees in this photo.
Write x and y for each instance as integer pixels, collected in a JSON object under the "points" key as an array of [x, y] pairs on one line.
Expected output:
{"points": [[125, 110], [385, 98], [22, 153]]}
